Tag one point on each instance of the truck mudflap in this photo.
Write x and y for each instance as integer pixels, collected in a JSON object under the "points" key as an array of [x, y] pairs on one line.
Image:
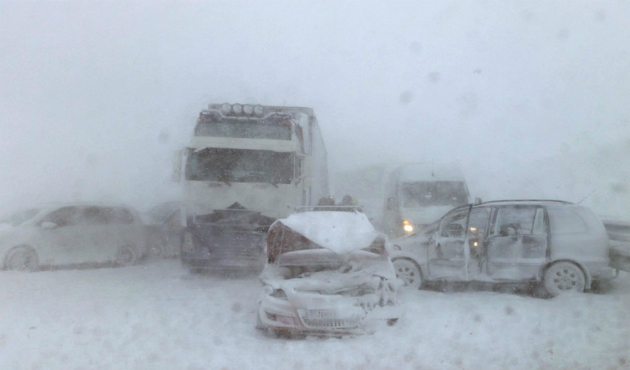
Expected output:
{"points": [[232, 237], [619, 234]]}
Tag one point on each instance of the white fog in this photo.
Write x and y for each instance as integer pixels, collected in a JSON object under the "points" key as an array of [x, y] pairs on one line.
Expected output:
{"points": [[530, 98]]}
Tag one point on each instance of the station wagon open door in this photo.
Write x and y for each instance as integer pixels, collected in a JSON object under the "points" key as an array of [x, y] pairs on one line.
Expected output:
{"points": [[517, 246], [457, 251]]}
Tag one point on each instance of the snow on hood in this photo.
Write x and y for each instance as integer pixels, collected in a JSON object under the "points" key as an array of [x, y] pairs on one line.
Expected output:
{"points": [[339, 232]]}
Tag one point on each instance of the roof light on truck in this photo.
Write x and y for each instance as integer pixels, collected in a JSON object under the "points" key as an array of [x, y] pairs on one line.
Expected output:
{"points": [[258, 110], [237, 108], [248, 109]]}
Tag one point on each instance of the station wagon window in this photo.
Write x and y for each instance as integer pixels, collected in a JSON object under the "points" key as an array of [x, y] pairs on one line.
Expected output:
{"points": [[478, 223], [539, 221], [518, 221], [453, 225], [563, 221]]}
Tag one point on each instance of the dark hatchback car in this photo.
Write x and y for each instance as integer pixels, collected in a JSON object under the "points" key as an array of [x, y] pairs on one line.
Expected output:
{"points": [[560, 246]]}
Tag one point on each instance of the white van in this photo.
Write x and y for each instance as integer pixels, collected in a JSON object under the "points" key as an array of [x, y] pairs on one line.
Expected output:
{"points": [[418, 194]]}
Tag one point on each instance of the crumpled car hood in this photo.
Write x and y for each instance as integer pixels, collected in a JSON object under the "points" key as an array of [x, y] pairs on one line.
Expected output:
{"points": [[364, 288]]}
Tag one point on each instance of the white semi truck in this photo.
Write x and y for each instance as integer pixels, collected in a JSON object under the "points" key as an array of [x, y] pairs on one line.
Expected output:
{"points": [[245, 167]]}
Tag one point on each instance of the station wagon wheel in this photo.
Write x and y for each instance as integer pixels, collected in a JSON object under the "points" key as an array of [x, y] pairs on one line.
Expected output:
{"points": [[564, 277], [21, 259], [409, 272], [126, 256]]}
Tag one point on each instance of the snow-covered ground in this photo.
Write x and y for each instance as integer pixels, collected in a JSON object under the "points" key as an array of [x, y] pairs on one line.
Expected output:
{"points": [[159, 316]]}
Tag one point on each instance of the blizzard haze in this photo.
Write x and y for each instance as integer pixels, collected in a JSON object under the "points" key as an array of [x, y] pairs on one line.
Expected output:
{"points": [[530, 97]]}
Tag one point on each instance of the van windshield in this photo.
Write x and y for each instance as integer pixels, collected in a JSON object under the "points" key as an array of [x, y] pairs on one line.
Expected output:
{"points": [[433, 193]]}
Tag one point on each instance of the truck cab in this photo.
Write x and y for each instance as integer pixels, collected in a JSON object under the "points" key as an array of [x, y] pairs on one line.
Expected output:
{"points": [[245, 167]]}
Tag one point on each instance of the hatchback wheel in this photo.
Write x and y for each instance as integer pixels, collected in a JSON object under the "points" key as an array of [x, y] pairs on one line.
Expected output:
{"points": [[21, 259], [409, 272], [564, 277], [126, 256]]}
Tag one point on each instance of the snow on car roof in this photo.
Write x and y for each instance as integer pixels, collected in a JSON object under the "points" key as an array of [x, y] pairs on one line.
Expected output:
{"points": [[339, 232]]}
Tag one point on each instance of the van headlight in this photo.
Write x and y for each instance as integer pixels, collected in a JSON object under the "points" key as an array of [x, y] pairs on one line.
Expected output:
{"points": [[407, 226]]}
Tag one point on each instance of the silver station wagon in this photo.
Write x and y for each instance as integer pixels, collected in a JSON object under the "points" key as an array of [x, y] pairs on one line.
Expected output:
{"points": [[561, 246]]}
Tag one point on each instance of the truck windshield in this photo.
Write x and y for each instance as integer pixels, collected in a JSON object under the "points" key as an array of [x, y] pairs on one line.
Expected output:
{"points": [[274, 127], [433, 193], [239, 165]]}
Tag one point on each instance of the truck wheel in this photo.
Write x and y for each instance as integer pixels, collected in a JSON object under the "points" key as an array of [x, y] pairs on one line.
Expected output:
{"points": [[409, 272], [564, 277]]}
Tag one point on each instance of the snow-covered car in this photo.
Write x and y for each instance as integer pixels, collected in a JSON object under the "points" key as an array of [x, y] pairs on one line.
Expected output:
{"points": [[164, 226], [327, 273], [557, 245], [71, 235]]}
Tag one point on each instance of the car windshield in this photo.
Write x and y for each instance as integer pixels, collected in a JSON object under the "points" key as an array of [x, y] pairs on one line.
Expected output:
{"points": [[240, 165], [433, 193], [20, 217]]}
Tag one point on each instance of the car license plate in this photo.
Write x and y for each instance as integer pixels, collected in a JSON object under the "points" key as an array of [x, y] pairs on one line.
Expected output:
{"points": [[321, 314]]}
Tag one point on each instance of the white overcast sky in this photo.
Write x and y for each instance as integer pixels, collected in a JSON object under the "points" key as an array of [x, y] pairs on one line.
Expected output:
{"points": [[532, 97]]}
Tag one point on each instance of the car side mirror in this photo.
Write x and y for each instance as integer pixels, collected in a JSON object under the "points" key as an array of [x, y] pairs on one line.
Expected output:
{"points": [[478, 201], [49, 225]]}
